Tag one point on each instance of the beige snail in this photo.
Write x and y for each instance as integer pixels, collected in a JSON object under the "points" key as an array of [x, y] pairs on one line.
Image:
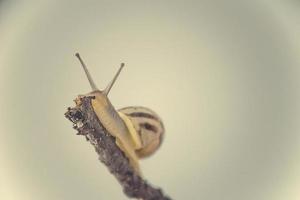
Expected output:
{"points": [[138, 130]]}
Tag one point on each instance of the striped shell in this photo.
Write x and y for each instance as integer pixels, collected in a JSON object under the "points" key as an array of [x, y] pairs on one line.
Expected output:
{"points": [[148, 126]]}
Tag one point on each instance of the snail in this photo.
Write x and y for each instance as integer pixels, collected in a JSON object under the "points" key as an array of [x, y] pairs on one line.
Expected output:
{"points": [[138, 130]]}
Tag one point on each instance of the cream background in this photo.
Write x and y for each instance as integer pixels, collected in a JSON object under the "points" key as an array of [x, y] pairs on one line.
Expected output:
{"points": [[224, 76]]}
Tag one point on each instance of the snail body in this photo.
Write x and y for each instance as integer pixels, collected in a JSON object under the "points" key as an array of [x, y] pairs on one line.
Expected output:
{"points": [[138, 130]]}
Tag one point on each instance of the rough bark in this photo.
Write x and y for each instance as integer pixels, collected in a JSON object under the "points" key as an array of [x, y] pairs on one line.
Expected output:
{"points": [[86, 123]]}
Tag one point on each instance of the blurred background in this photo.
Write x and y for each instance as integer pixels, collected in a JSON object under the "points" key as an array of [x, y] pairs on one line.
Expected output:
{"points": [[223, 76]]}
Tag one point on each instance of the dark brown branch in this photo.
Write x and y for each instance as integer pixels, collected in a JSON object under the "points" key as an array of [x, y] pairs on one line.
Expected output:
{"points": [[87, 124]]}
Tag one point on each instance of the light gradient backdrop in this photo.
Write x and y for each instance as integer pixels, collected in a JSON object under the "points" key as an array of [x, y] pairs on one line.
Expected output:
{"points": [[223, 75]]}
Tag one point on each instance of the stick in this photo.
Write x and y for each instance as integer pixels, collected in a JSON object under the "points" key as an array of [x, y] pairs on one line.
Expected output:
{"points": [[86, 123]]}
